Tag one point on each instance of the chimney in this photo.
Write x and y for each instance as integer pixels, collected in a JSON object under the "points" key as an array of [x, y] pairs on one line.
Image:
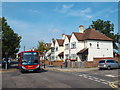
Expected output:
{"points": [[81, 29], [63, 36]]}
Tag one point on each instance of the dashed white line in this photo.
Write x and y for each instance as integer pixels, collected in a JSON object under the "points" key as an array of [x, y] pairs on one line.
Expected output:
{"points": [[104, 82], [97, 80], [93, 78], [90, 78], [85, 77], [80, 75]]}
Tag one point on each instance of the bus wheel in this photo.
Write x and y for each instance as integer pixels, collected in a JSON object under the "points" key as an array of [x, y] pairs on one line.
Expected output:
{"points": [[22, 71], [38, 70]]}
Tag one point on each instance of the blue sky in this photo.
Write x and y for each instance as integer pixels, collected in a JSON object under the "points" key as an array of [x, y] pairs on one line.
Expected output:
{"points": [[42, 21]]}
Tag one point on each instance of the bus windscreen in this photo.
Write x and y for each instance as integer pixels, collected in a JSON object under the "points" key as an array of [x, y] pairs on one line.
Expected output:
{"points": [[29, 58]]}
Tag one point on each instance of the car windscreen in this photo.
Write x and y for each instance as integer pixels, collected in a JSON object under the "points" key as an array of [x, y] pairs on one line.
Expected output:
{"points": [[102, 61]]}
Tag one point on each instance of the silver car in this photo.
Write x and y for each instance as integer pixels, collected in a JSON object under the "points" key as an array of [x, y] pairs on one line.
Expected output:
{"points": [[108, 64]]}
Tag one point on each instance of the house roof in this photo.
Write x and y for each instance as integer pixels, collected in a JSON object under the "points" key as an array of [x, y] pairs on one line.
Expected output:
{"points": [[53, 40], [60, 42], [69, 36], [61, 54], [91, 34], [83, 50], [48, 44], [79, 36]]}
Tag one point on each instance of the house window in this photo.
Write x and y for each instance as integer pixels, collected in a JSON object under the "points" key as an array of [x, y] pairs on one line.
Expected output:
{"points": [[73, 56], [73, 45], [56, 48], [67, 46], [52, 57], [66, 56], [98, 45], [52, 49], [56, 57], [90, 44]]}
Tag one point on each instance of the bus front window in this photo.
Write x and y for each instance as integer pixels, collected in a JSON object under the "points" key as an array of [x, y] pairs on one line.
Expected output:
{"points": [[30, 58]]}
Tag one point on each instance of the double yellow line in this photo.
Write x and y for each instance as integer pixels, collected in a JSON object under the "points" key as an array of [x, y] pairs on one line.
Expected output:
{"points": [[112, 84]]}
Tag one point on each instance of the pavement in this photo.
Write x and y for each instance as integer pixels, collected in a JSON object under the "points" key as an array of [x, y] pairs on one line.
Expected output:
{"points": [[55, 68]]}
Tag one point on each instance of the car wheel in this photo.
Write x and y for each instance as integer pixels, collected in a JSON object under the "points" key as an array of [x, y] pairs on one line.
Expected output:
{"points": [[100, 68], [109, 68]]}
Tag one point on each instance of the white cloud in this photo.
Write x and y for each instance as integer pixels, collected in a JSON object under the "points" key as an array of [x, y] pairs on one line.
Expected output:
{"points": [[34, 11], [113, 11], [54, 30], [84, 13], [65, 8], [68, 10]]}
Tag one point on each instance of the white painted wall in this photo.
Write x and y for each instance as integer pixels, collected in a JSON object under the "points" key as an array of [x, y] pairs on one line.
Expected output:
{"points": [[105, 49], [60, 49], [66, 51]]}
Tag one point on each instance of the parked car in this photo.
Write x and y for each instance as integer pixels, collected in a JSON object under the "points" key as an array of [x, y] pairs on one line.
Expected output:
{"points": [[108, 64]]}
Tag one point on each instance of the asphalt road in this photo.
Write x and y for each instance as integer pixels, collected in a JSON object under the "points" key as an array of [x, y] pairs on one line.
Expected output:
{"points": [[48, 79], [54, 79]]}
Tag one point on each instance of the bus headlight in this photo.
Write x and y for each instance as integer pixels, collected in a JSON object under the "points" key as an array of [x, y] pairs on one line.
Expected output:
{"points": [[37, 66], [23, 67]]}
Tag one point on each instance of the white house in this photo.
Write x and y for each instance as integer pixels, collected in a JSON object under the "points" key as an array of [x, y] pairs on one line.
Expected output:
{"points": [[88, 44], [59, 49], [81, 46], [67, 47], [52, 51]]}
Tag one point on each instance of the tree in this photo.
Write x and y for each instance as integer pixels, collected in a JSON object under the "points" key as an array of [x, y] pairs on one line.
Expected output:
{"points": [[106, 28], [42, 47], [10, 40]]}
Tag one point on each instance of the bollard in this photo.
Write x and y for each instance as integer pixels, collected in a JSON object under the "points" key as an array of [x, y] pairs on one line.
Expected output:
{"points": [[44, 65]]}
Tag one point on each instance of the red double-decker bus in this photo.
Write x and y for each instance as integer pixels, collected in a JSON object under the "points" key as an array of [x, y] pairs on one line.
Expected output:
{"points": [[29, 61]]}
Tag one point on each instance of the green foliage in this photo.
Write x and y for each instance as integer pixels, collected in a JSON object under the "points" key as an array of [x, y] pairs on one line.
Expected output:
{"points": [[106, 28], [10, 40], [42, 47]]}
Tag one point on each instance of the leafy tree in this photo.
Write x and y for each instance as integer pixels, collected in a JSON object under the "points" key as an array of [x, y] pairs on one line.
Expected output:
{"points": [[42, 47], [106, 28], [10, 40]]}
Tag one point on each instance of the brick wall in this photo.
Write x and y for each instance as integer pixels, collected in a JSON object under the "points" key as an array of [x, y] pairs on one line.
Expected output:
{"points": [[89, 64], [93, 63], [54, 63]]}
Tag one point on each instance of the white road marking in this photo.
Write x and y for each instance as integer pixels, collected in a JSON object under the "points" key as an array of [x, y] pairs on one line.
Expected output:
{"points": [[94, 78], [85, 77], [90, 78], [97, 80], [104, 82], [111, 75], [80, 75]]}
